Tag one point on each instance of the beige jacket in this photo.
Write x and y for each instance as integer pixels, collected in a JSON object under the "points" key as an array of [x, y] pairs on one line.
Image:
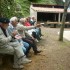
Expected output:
{"points": [[23, 29], [9, 47]]}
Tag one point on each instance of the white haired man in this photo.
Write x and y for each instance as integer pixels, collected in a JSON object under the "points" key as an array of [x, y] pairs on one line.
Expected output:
{"points": [[12, 28], [22, 30]]}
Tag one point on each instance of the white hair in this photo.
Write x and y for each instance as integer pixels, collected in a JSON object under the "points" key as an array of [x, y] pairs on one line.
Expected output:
{"points": [[13, 19], [22, 20], [63, 0]]}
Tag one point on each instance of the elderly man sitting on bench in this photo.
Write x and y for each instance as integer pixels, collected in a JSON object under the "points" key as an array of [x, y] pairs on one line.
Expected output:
{"points": [[8, 47]]}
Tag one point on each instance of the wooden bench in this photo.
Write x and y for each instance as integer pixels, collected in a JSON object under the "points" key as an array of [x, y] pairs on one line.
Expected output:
{"points": [[5, 56]]}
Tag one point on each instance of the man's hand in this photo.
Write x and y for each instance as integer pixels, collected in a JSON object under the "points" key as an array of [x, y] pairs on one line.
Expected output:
{"points": [[38, 25], [14, 33], [18, 37]]}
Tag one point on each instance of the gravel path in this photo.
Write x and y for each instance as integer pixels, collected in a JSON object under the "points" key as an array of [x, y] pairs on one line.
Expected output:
{"points": [[55, 55]]}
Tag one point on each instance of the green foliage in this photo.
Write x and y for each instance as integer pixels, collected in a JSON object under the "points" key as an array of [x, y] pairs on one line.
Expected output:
{"points": [[9, 8], [47, 1], [59, 2], [33, 0], [25, 4]]}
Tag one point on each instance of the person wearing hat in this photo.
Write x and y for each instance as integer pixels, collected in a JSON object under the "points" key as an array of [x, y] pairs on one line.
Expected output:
{"points": [[8, 47]]}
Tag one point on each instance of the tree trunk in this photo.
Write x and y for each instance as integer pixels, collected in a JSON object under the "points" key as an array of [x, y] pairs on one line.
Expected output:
{"points": [[63, 21]]}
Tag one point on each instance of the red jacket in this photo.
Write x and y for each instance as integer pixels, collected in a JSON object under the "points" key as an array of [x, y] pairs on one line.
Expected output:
{"points": [[27, 24]]}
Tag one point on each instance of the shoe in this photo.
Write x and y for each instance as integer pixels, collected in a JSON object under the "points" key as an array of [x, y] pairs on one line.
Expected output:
{"points": [[18, 66], [41, 35], [36, 40], [25, 60], [37, 52]]}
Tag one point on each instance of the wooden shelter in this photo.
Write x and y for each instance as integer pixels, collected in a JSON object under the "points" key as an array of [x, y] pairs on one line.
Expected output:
{"points": [[48, 13]]}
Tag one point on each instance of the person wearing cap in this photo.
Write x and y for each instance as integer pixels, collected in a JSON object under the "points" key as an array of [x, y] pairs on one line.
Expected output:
{"points": [[8, 47]]}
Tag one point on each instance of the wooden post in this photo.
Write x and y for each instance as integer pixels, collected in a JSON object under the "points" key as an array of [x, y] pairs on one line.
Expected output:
{"points": [[55, 17], [59, 16]]}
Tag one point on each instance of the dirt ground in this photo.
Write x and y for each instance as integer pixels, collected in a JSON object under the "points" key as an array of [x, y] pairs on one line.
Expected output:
{"points": [[55, 55]]}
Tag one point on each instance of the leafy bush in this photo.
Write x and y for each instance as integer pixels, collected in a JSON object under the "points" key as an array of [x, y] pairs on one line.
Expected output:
{"points": [[8, 8]]}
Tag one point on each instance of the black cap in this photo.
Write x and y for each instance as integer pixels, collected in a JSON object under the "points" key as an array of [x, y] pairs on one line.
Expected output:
{"points": [[4, 20]]}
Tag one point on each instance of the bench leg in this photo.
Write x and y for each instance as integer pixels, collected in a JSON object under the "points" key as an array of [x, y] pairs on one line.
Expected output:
{"points": [[1, 61]]}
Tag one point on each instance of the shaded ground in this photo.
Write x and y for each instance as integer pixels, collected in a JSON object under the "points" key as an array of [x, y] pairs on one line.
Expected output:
{"points": [[55, 55]]}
